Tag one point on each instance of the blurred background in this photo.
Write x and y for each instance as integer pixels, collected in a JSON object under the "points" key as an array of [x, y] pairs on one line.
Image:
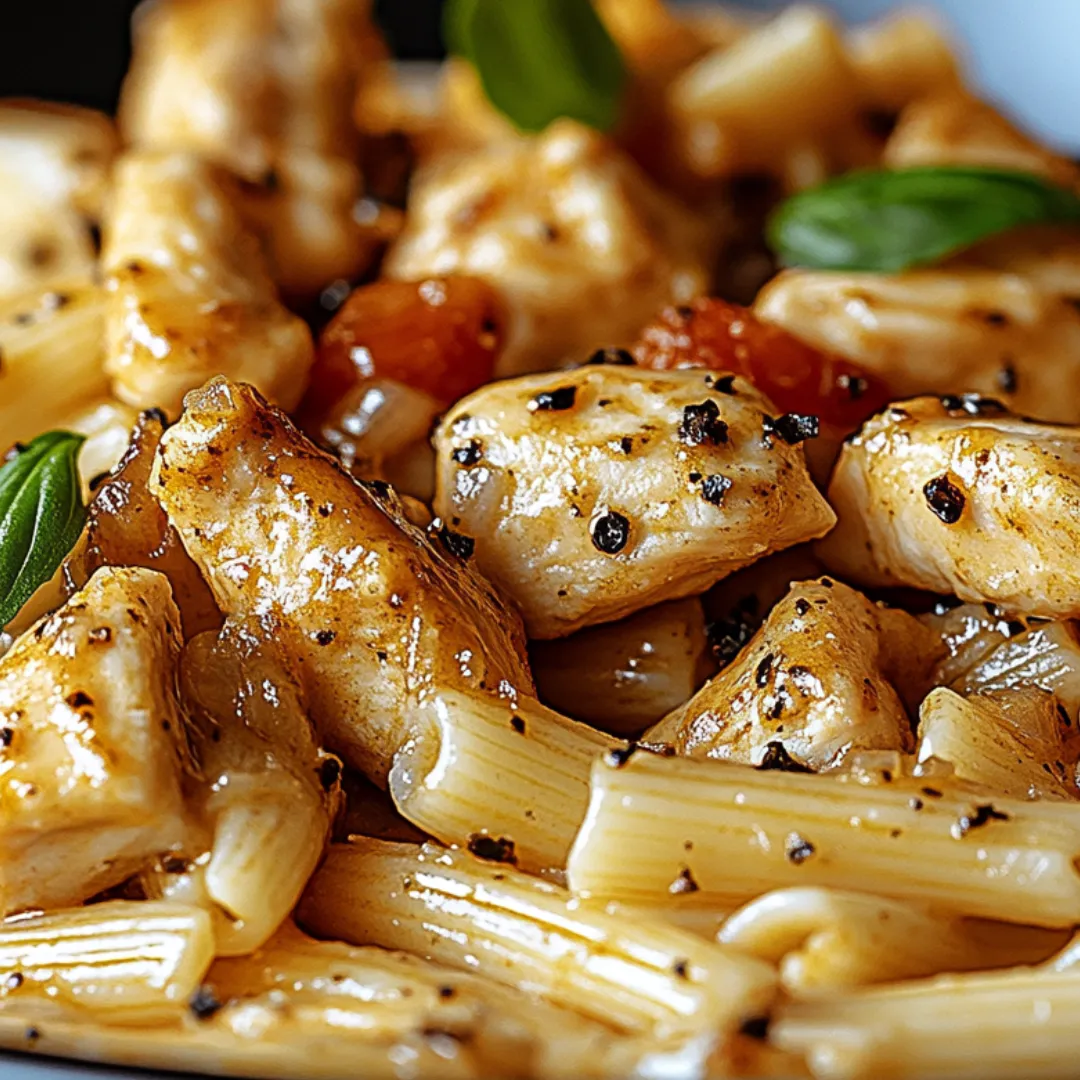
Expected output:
{"points": [[1024, 54]]}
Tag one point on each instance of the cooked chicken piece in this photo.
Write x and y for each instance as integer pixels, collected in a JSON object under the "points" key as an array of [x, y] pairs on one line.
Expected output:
{"points": [[953, 128], [955, 496], [1011, 741], [827, 674], [941, 331], [623, 676], [1046, 256], [52, 347], [259, 813], [596, 492], [376, 614], [54, 167], [189, 296], [265, 89], [236, 81], [581, 245], [89, 743], [985, 650], [126, 526]]}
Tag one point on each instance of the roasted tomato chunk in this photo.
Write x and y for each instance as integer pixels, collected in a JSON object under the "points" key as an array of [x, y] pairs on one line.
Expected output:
{"points": [[715, 334], [441, 336]]}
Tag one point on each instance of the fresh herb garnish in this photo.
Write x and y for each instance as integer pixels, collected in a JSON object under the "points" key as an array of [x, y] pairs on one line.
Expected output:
{"points": [[540, 59], [890, 221], [41, 516]]}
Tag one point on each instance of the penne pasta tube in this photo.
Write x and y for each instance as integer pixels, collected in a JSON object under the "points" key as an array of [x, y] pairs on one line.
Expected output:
{"points": [[640, 976], [259, 1048], [825, 940], [126, 961], [373, 993], [53, 345], [507, 769], [654, 822], [1020, 1022]]}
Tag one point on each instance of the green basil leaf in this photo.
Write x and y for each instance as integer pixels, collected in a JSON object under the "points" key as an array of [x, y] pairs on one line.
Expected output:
{"points": [[890, 221], [41, 516], [540, 59]]}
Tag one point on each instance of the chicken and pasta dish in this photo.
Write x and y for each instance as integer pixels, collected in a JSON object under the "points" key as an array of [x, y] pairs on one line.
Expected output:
{"points": [[557, 566]]}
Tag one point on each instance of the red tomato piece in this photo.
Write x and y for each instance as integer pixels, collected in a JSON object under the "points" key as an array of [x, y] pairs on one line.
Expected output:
{"points": [[441, 336], [715, 334]]}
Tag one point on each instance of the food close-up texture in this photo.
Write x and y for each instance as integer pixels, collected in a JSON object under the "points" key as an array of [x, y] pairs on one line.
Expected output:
{"points": [[560, 563]]}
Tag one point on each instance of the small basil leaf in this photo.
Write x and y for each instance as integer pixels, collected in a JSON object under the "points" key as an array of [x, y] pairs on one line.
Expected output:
{"points": [[41, 516], [890, 221], [539, 60]]}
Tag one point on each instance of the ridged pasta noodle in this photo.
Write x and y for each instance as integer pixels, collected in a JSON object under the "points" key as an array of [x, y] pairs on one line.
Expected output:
{"points": [[732, 829], [636, 975]]}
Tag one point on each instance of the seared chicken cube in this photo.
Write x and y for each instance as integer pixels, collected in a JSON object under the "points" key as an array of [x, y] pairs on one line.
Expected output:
{"points": [[54, 167], [377, 614], [593, 493], [581, 245], [957, 496], [90, 746], [189, 296], [828, 673]]}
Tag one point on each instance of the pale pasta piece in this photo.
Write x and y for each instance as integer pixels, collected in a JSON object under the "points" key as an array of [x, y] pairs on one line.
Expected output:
{"points": [[657, 825], [117, 962], [504, 772], [269, 794], [623, 676], [824, 940], [742, 108], [107, 426], [575, 238], [1020, 1022], [54, 168], [901, 59], [953, 496], [379, 615], [188, 294], [90, 743], [822, 678], [1009, 741], [249, 1042], [371, 993], [596, 492], [635, 975], [52, 345], [941, 330], [957, 129]]}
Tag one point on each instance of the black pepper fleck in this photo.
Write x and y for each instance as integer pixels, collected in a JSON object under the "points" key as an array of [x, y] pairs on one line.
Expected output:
{"points": [[80, 700], [793, 428], [554, 400], [684, 883], [725, 384], [945, 499], [204, 1002], [763, 670], [329, 772], [797, 849], [457, 544], [1006, 379], [610, 532], [755, 1027], [517, 724], [493, 849], [681, 969], [324, 637], [802, 607], [980, 816], [7, 737], [702, 424], [469, 454], [714, 487]]}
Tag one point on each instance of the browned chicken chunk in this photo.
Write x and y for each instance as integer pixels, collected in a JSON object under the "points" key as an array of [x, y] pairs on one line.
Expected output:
{"points": [[376, 613]]}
